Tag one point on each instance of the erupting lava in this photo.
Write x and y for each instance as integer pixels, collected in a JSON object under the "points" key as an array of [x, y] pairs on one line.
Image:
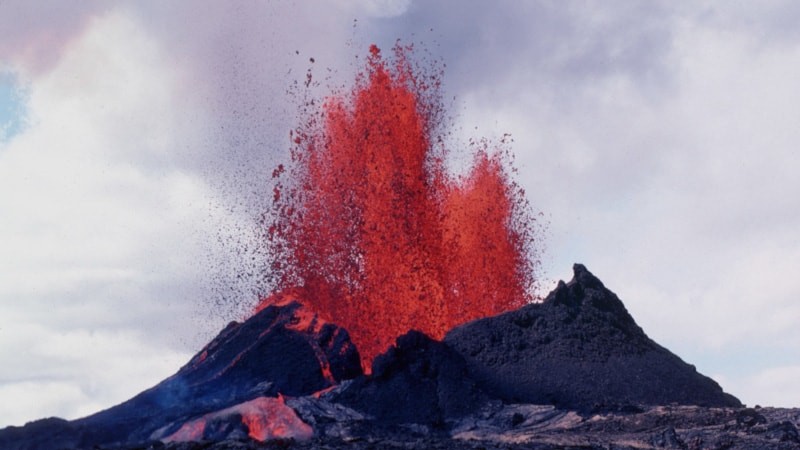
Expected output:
{"points": [[376, 235]]}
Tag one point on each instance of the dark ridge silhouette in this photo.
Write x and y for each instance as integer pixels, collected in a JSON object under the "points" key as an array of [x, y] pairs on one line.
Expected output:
{"points": [[579, 349]]}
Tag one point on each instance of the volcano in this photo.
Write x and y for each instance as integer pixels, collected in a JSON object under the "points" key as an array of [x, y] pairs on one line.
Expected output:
{"points": [[404, 317], [572, 370], [281, 350]]}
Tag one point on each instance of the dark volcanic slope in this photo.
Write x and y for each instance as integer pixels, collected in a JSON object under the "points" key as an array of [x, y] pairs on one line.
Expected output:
{"points": [[282, 349], [579, 349]]}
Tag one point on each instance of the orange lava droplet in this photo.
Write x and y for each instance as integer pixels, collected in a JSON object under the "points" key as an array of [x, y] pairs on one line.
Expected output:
{"points": [[372, 233]]}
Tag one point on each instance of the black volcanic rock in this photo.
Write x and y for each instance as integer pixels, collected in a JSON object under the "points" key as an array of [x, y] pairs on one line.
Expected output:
{"points": [[284, 349], [418, 380], [281, 349], [579, 349], [40, 434]]}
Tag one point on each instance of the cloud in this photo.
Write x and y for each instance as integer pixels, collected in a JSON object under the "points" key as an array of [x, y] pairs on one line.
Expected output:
{"points": [[772, 386], [83, 198], [102, 256], [384, 8], [35, 37], [241, 62], [504, 48], [77, 372]]}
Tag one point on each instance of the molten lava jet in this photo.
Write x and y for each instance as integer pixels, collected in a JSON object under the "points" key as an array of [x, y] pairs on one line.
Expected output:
{"points": [[374, 234]]}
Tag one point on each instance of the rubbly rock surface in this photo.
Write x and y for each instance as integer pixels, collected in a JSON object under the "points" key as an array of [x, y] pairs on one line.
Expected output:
{"points": [[673, 427], [579, 349], [418, 380], [538, 427], [544, 427], [281, 349]]}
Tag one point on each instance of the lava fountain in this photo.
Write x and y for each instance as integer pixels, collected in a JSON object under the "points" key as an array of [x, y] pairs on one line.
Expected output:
{"points": [[370, 230]]}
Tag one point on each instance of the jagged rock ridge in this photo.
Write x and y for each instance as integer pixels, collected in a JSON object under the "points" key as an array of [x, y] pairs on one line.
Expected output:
{"points": [[579, 349]]}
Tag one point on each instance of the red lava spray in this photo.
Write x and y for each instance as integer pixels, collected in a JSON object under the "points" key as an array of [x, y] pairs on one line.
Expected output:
{"points": [[374, 234]]}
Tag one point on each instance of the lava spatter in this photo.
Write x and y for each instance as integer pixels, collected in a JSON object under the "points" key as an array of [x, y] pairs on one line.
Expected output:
{"points": [[372, 230]]}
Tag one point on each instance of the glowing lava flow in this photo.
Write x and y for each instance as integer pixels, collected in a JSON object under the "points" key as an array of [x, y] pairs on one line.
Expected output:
{"points": [[263, 419], [372, 232]]}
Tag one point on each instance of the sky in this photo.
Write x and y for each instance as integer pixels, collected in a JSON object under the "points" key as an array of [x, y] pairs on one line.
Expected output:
{"points": [[659, 139]]}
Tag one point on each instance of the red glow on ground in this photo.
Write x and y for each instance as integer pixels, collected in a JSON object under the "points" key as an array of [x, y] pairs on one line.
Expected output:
{"points": [[266, 418], [189, 431], [270, 418], [375, 232]]}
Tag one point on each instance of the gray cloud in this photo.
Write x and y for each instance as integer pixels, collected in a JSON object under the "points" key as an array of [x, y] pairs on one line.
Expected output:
{"points": [[515, 47], [37, 35]]}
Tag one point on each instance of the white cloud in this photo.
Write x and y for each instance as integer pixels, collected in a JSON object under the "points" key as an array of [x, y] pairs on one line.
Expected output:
{"points": [[77, 372], [384, 8], [94, 239], [770, 386], [29, 400], [78, 203]]}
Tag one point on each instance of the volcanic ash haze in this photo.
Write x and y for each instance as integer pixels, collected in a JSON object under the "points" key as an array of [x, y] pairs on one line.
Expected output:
{"points": [[373, 232]]}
